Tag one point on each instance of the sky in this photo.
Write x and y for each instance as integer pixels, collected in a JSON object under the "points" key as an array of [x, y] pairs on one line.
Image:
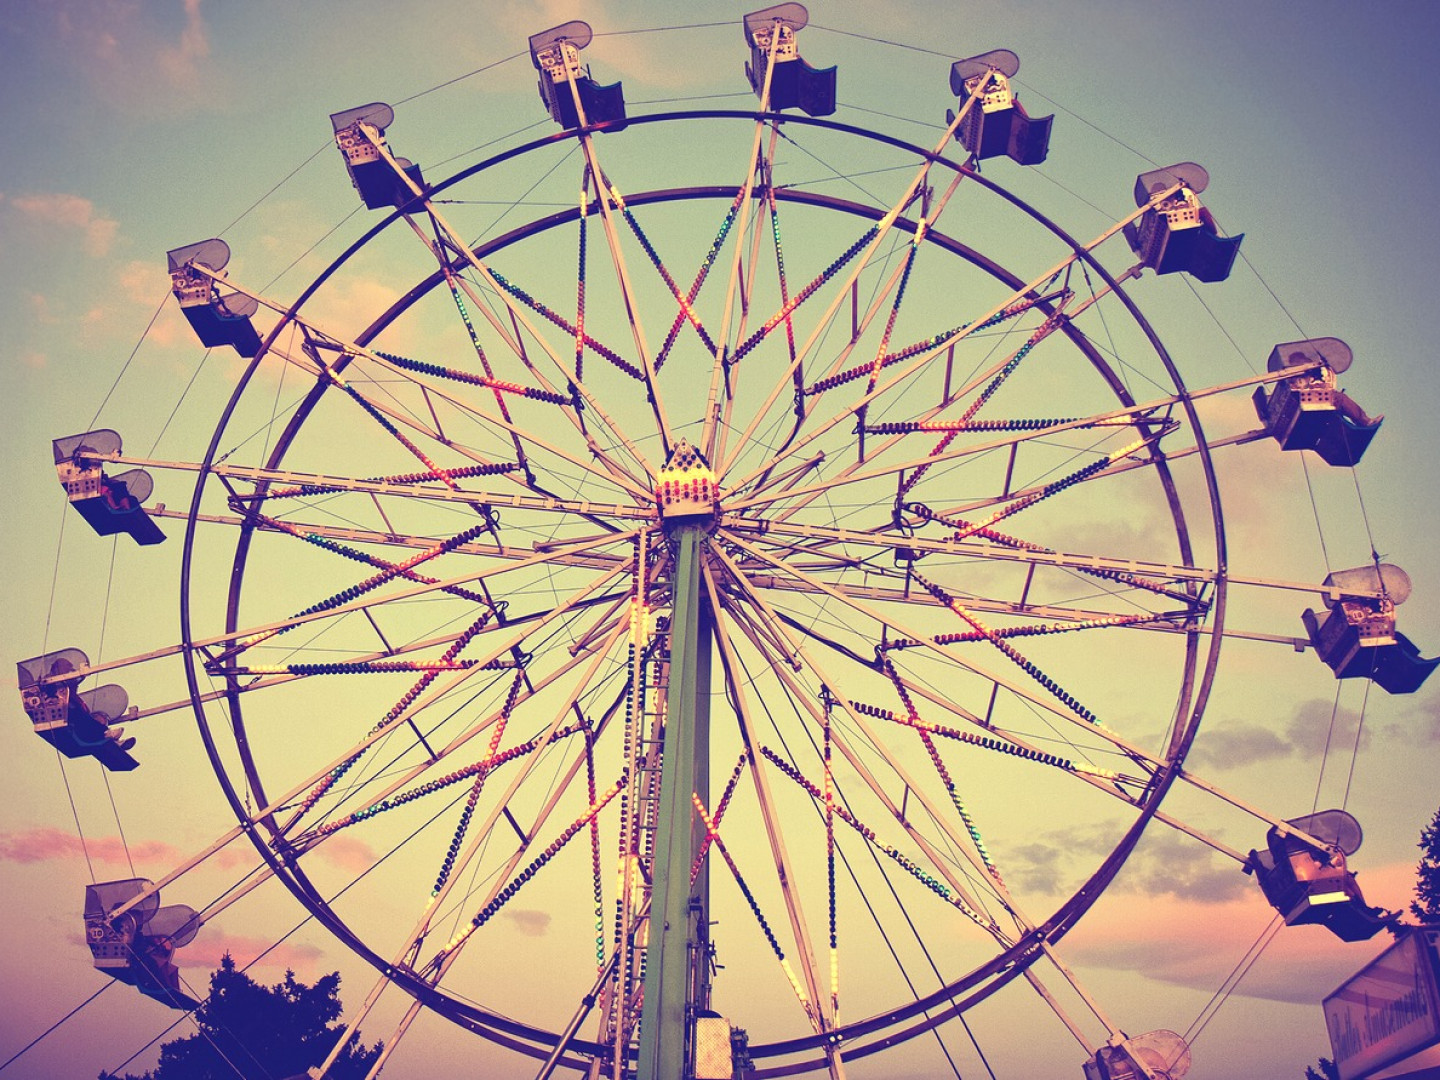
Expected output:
{"points": [[135, 127]]}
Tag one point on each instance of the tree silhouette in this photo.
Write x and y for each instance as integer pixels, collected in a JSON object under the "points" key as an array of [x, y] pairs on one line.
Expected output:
{"points": [[249, 1030], [1426, 906], [1328, 1070]]}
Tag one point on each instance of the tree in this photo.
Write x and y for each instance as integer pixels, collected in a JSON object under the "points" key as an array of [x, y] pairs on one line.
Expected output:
{"points": [[1426, 906], [251, 1030], [1328, 1070]]}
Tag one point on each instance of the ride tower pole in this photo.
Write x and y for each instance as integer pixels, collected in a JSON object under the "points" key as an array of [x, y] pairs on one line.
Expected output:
{"points": [[677, 958]]}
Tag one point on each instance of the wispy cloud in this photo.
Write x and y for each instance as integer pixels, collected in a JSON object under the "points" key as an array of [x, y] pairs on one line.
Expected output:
{"points": [[1423, 724], [670, 61], [154, 58], [1170, 864], [1166, 863], [144, 281], [145, 287], [180, 61], [528, 922], [40, 311], [349, 306], [212, 943], [1305, 735], [46, 844], [517, 21], [70, 215], [1161, 942], [348, 853]]}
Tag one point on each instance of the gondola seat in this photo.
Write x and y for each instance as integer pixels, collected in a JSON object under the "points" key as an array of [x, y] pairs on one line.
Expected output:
{"points": [[1357, 638], [109, 504], [75, 722], [376, 180], [1308, 411], [1177, 234], [997, 125], [1314, 887], [138, 946], [794, 84], [556, 55], [218, 320]]}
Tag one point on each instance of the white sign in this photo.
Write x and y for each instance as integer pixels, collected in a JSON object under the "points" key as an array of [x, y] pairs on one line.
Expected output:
{"points": [[1388, 1011]]}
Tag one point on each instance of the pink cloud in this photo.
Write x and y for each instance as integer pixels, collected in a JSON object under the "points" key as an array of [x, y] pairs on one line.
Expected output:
{"points": [[47, 843], [180, 63], [1160, 940], [144, 281], [114, 316], [350, 306], [519, 20], [348, 853], [672, 63], [135, 55], [211, 944], [39, 305], [145, 286], [71, 213]]}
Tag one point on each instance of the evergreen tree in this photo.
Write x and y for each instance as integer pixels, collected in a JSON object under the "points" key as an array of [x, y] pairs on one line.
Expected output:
{"points": [[1327, 1071], [1426, 906], [251, 1030]]}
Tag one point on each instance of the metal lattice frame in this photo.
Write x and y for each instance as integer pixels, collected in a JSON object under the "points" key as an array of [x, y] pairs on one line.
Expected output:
{"points": [[869, 1034]]}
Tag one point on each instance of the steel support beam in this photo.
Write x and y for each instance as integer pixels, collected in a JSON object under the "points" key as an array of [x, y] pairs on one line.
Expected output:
{"points": [[676, 963]]}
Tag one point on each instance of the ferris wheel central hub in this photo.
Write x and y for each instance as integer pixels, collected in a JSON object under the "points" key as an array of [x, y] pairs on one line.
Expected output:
{"points": [[686, 491]]}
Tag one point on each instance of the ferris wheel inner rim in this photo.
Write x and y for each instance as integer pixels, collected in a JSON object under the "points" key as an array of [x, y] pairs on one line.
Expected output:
{"points": [[1015, 957]]}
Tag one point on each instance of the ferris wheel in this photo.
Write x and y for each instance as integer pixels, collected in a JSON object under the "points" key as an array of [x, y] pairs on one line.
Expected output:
{"points": [[738, 560]]}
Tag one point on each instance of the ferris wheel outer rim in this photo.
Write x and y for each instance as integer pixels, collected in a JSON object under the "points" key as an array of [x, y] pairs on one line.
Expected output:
{"points": [[1193, 696]]}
